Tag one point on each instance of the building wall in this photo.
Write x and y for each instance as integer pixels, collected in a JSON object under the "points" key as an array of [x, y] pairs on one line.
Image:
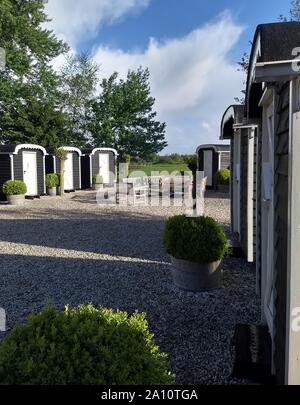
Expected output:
{"points": [[255, 192], [49, 164], [225, 160], [259, 210], [112, 163], [215, 164], [18, 168], [233, 151], [281, 225], [244, 190], [85, 172], [76, 171], [5, 172]]}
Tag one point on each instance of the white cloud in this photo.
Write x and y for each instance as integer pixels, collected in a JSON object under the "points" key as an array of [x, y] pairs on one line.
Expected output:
{"points": [[74, 20], [192, 79]]}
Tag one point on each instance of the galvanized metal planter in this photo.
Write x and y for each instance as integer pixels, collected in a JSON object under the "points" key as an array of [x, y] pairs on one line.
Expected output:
{"points": [[195, 277], [51, 191], [16, 199]]}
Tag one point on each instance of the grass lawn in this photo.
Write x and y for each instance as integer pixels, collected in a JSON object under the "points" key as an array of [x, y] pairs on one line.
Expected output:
{"points": [[169, 168]]}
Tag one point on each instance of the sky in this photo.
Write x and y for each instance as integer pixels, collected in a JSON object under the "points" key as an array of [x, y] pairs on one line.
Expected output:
{"points": [[191, 48]]}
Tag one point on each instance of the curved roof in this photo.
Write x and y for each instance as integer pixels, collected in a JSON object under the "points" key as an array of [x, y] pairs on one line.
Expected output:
{"points": [[93, 151], [232, 116], [216, 148], [71, 149], [272, 43], [14, 149]]}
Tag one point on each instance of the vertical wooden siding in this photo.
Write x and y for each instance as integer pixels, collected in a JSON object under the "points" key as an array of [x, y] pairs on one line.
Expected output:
{"points": [[244, 190], [259, 208], [281, 224], [5, 172], [85, 172], [76, 171], [232, 169], [18, 168]]}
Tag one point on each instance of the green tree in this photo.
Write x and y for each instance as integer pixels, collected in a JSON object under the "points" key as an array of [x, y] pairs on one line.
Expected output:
{"points": [[294, 12], [79, 80], [123, 116], [29, 101]]}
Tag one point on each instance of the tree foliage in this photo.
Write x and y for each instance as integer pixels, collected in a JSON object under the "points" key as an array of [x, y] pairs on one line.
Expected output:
{"points": [[123, 116], [294, 12], [79, 79], [29, 103], [41, 105]]}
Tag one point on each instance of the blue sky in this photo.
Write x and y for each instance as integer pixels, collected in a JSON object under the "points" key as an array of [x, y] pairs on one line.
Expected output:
{"points": [[176, 18], [190, 46]]}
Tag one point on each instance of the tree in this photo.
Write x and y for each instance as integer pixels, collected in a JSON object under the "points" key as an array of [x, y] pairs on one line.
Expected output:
{"points": [[29, 101], [62, 156], [123, 116], [79, 80], [294, 12]]}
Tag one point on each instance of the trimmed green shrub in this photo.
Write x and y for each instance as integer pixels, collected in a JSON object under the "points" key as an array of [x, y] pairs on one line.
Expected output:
{"points": [[196, 239], [126, 158], [52, 180], [223, 177], [85, 346], [14, 187], [97, 179]]}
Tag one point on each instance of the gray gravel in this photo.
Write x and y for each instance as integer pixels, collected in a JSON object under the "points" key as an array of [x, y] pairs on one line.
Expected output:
{"points": [[72, 251]]}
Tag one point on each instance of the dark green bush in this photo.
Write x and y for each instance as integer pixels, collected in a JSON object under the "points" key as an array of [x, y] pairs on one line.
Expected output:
{"points": [[82, 346], [14, 187], [52, 180], [223, 177], [198, 239], [192, 163], [126, 158]]}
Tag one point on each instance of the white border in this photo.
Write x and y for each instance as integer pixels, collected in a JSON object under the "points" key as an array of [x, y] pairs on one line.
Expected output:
{"points": [[29, 146], [71, 149], [104, 150]]}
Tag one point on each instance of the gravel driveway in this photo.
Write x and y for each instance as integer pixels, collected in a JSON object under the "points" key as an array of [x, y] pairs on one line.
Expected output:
{"points": [[72, 251]]}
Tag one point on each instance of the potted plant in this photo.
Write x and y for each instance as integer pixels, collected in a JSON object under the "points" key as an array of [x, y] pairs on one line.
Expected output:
{"points": [[197, 246], [15, 191], [52, 182], [223, 180], [97, 182]]}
